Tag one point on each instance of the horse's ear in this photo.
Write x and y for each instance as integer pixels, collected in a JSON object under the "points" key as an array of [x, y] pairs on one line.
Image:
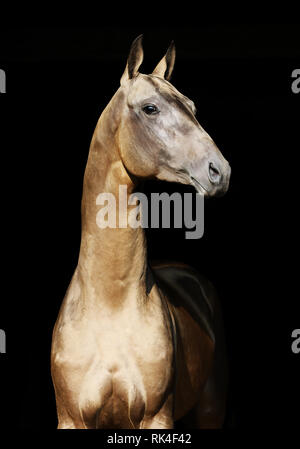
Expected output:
{"points": [[135, 59], [165, 67]]}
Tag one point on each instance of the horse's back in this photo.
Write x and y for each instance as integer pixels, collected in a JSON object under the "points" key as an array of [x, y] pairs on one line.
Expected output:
{"points": [[201, 352], [186, 288]]}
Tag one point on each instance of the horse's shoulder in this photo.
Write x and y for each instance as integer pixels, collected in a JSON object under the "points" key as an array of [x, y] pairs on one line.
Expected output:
{"points": [[186, 287]]}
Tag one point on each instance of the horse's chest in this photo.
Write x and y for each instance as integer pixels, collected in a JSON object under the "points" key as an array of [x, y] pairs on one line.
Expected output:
{"points": [[112, 392], [119, 373]]}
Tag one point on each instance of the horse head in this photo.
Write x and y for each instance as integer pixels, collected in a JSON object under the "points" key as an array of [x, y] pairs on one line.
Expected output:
{"points": [[159, 135]]}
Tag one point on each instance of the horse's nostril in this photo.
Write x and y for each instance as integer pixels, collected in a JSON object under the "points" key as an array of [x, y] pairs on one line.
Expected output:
{"points": [[214, 173]]}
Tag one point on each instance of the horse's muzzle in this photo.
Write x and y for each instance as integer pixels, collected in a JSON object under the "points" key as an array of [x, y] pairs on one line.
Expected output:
{"points": [[219, 175]]}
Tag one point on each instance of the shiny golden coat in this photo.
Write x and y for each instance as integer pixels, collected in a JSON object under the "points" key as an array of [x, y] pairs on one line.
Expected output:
{"points": [[136, 346]]}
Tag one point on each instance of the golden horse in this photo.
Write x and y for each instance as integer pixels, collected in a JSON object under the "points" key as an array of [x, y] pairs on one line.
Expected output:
{"points": [[138, 345]]}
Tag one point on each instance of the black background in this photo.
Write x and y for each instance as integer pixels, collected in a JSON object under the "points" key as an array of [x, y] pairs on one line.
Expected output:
{"points": [[239, 76]]}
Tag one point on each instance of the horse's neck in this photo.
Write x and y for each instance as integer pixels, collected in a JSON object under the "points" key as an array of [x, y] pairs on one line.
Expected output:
{"points": [[112, 261]]}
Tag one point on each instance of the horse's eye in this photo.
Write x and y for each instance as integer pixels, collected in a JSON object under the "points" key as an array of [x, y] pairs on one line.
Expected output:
{"points": [[150, 109]]}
